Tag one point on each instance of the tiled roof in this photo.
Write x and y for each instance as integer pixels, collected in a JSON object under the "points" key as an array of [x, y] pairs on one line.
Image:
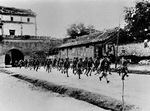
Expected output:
{"points": [[16, 11], [92, 38]]}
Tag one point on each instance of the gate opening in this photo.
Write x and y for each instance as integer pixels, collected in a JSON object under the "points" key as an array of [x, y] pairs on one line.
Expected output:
{"points": [[12, 56]]}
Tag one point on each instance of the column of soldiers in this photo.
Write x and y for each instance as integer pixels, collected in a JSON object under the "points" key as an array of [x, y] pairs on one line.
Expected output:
{"points": [[79, 66]]}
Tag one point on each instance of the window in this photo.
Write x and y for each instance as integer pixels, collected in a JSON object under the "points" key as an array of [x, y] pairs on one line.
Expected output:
{"points": [[12, 32], [11, 18], [28, 19]]}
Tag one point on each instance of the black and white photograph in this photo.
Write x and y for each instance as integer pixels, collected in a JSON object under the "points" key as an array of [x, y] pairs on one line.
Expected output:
{"points": [[74, 55]]}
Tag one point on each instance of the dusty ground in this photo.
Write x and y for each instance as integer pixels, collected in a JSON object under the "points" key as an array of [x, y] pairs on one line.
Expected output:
{"points": [[18, 95], [137, 87]]}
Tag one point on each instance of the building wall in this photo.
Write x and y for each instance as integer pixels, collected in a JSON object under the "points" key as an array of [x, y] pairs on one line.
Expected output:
{"points": [[80, 52], [11, 26], [134, 49], [17, 18], [27, 47], [27, 29], [86, 51]]}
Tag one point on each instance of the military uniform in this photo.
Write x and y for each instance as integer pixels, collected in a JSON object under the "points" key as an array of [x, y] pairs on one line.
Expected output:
{"points": [[79, 67], [66, 66]]}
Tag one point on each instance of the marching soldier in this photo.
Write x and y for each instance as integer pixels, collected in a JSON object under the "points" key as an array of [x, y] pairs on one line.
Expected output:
{"points": [[37, 64], [105, 63], [61, 65], [96, 64], [124, 67], [79, 67], [58, 64], [26, 63], [66, 66], [54, 63], [89, 66], [21, 63], [48, 65], [85, 65], [74, 65]]}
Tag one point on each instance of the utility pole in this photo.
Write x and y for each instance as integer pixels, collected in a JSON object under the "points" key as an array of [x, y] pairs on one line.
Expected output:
{"points": [[117, 45], [117, 42], [122, 95]]}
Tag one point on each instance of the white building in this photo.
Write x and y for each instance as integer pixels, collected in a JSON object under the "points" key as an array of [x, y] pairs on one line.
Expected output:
{"points": [[16, 21]]}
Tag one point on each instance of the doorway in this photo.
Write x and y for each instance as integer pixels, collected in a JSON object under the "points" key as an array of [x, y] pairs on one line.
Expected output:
{"points": [[12, 56]]}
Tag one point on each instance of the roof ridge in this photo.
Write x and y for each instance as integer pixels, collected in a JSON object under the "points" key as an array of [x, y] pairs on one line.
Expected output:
{"points": [[16, 11], [93, 38]]}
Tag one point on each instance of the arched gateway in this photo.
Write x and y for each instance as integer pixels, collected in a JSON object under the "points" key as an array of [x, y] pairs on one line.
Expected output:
{"points": [[13, 55], [17, 29]]}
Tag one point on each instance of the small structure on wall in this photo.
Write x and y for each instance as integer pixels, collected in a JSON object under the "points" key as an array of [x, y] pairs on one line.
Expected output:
{"points": [[93, 45]]}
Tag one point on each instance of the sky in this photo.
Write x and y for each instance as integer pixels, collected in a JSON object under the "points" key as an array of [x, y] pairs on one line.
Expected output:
{"points": [[55, 16]]}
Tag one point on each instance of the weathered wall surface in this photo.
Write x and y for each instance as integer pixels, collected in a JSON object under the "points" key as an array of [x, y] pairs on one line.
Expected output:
{"points": [[136, 49], [80, 52], [27, 47], [87, 51]]}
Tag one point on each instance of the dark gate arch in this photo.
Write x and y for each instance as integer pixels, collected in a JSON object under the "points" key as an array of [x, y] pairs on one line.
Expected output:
{"points": [[13, 55]]}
